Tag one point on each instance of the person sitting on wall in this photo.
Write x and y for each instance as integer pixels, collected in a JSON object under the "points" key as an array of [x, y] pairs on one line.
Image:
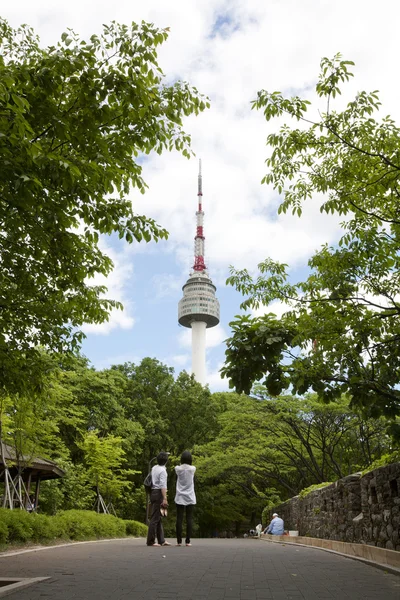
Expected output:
{"points": [[276, 527]]}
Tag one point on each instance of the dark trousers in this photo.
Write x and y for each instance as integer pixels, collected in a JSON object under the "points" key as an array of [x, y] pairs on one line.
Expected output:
{"points": [[180, 509], [155, 525]]}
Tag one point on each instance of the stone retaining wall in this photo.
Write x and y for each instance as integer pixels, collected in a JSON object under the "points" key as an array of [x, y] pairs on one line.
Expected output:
{"points": [[362, 509]]}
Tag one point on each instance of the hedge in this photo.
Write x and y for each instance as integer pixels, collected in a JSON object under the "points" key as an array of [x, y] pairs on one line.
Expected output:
{"points": [[135, 528], [19, 526]]}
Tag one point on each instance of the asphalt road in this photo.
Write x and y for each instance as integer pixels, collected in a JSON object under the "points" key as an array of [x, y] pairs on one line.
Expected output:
{"points": [[208, 570]]}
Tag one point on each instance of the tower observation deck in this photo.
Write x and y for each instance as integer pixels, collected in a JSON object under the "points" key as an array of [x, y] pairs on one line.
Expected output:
{"points": [[199, 307]]}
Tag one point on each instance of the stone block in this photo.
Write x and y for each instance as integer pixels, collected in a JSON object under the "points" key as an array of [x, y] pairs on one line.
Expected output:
{"points": [[383, 536]]}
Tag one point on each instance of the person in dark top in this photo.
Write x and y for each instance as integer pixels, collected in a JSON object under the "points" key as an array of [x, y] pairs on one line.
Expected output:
{"points": [[159, 502]]}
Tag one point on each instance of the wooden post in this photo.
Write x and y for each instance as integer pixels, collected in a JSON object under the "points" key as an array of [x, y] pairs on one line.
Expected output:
{"points": [[28, 490], [37, 492]]}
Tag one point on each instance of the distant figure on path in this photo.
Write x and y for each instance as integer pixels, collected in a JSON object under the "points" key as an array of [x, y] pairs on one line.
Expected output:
{"points": [[158, 499], [185, 498], [276, 527]]}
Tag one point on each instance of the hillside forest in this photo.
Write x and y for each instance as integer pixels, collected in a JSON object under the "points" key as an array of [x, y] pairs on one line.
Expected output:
{"points": [[251, 451]]}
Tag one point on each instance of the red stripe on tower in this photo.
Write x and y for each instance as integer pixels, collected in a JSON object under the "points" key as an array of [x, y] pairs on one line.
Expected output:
{"points": [[199, 264]]}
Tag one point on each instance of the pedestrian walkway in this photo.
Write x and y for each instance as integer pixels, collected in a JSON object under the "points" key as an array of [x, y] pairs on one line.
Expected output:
{"points": [[209, 570]]}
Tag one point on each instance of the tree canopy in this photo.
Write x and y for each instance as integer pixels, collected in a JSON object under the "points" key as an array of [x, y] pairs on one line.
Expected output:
{"points": [[74, 120], [104, 427], [268, 449], [341, 330]]}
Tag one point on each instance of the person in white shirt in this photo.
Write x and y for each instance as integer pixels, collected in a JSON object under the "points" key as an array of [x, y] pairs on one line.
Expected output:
{"points": [[185, 497], [158, 499]]}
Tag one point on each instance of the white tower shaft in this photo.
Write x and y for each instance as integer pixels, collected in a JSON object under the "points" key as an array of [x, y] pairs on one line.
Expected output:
{"points": [[199, 351]]}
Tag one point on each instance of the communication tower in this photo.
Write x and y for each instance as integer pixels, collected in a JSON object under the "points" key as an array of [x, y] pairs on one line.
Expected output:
{"points": [[199, 308]]}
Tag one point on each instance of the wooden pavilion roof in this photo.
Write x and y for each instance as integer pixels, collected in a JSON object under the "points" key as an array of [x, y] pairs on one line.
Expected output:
{"points": [[37, 467]]}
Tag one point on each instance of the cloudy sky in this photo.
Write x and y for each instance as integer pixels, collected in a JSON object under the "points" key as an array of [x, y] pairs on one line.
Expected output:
{"points": [[229, 50]]}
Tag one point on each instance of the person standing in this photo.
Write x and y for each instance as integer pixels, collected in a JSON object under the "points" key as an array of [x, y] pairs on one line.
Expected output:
{"points": [[158, 500], [185, 497], [276, 527]]}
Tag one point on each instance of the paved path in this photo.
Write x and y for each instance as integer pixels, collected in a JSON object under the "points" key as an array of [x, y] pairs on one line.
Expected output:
{"points": [[209, 570]]}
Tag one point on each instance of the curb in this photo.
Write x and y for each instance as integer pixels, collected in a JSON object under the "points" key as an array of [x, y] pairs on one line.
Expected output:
{"points": [[7, 553], [371, 563], [18, 583]]}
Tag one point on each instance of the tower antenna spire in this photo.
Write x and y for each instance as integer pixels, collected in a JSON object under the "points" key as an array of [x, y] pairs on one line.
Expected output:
{"points": [[199, 264], [200, 182]]}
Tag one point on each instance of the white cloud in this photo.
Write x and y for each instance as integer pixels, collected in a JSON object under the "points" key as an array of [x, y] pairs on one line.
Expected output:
{"points": [[214, 379], [179, 360], [185, 338], [117, 359], [115, 284], [258, 44], [166, 285], [277, 308], [271, 45], [214, 337]]}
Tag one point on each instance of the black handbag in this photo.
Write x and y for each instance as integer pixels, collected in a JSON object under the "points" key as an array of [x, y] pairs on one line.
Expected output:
{"points": [[148, 482]]}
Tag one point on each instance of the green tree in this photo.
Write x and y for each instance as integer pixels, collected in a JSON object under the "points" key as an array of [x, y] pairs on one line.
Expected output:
{"points": [[342, 328], [190, 412], [74, 118], [98, 400], [269, 449], [104, 459], [102, 427], [174, 414], [320, 442], [33, 424], [229, 490], [148, 391], [73, 491]]}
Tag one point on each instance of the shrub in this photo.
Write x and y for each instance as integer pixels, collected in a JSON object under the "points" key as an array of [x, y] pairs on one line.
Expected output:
{"points": [[46, 528], [385, 459], [18, 523], [3, 532], [20, 526], [108, 526], [135, 528], [84, 524], [313, 488]]}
